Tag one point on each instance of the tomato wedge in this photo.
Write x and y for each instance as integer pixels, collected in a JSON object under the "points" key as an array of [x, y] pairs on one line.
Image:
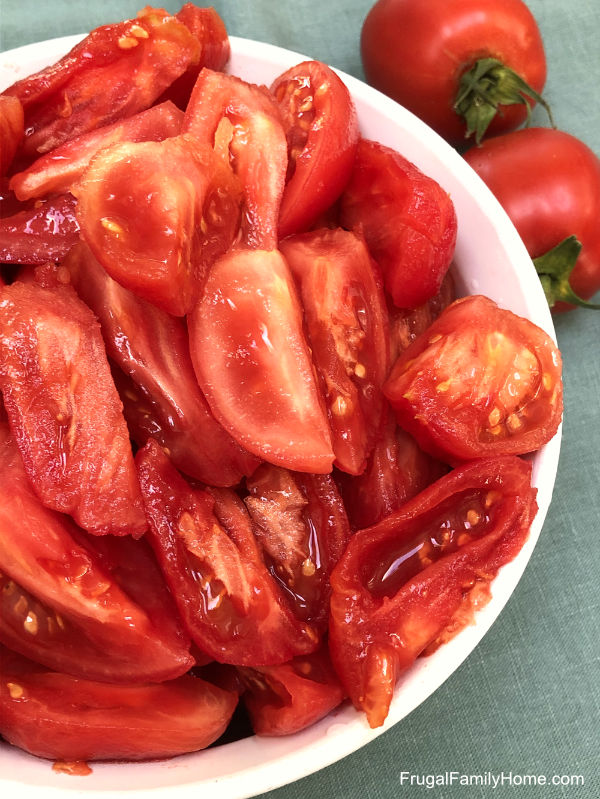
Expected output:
{"points": [[205, 545], [39, 233], [301, 525], [11, 130], [322, 133], [64, 410], [480, 381], [416, 578], [160, 394], [253, 364], [347, 326], [407, 219], [58, 716], [242, 122]]}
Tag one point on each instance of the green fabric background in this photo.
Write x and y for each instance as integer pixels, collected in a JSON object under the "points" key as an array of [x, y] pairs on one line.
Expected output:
{"points": [[527, 700]]}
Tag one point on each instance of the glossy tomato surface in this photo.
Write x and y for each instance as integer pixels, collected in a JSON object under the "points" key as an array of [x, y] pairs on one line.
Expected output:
{"points": [[549, 184], [416, 52], [38, 233]]}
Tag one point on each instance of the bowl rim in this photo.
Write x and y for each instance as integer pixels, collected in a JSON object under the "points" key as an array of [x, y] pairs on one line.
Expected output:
{"points": [[344, 730]]}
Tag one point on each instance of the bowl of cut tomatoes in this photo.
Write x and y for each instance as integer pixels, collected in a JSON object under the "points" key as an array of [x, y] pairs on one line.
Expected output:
{"points": [[328, 426]]}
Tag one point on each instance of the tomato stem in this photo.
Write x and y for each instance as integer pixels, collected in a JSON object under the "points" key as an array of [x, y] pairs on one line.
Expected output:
{"points": [[488, 84], [554, 269]]}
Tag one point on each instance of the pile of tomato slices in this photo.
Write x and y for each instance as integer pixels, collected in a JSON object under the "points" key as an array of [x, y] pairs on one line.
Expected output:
{"points": [[253, 451]]}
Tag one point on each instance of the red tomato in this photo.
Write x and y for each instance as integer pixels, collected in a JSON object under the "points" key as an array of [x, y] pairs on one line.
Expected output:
{"points": [[116, 71], [253, 363], [160, 394], [205, 545], [347, 326], [39, 233], [62, 717], [242, 122], [407, 219], [66, 605], [417, 577], [285, 699], [549, 184], [64, 409], [322, 133], [141, 209], [418, 52], [11, 130], [301, 525], [479, 382], [57, 171]]}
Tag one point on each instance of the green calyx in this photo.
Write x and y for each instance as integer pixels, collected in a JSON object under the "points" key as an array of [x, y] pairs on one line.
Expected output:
{"points": [[554, 269], [487, 85]]}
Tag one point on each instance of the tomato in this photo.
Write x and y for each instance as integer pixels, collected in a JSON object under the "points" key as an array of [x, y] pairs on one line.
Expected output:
{"points": [[57, 171], [479, 382], [347, 327], [396, 471], [285, 699], [42, 232], [205, 545], [459, 66], [141, 209], [64, 409], [58, 716], [73, 609], [116, 71], [407, 219], [549, 184], [11, 130], [160, 394], [242, 122], [253, 364], [301, 525], [322, 134], [416, 578]]}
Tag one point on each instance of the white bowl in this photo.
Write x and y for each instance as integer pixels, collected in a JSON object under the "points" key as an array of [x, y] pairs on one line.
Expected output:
{"points": [[491, 260]]}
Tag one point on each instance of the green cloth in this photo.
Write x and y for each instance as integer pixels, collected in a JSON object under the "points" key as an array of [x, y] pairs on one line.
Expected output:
{"points": [[527, 699]]}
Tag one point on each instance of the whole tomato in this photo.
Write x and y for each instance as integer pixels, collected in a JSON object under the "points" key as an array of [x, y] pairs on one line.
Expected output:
{"points": [[459, 66], [549, 184]]}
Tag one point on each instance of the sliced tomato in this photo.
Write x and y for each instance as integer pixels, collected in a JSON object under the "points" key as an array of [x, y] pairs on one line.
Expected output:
{"points": [[116, 71], [42, 232], [141, 209], [79, 606], [416, 578], [11, 130], [58, 716], [285, 699], [397, 470], [302, 528], [347, 325], [64, 410], [322, 133], [205, 545], [253, 364], [480, 381], [407, 219], [160, 394], [57, 171], [242, 121]]}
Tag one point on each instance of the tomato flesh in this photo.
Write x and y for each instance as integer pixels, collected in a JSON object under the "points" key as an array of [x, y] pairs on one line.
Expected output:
{"points": [[39, 233], [11, 130]]}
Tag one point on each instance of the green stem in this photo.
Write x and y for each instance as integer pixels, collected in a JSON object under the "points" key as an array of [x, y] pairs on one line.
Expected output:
{"points": [[554, 269]]}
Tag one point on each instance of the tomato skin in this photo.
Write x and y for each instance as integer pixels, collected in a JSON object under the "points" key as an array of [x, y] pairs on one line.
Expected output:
{"points": [[61, 717], [64, 410], [419, 64], [347, 326], [407, 219], [480, 381], [416, 578], [39, 233], [11, 130], [322, 133], [205, 545], [548, 182], [247, 331]]}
